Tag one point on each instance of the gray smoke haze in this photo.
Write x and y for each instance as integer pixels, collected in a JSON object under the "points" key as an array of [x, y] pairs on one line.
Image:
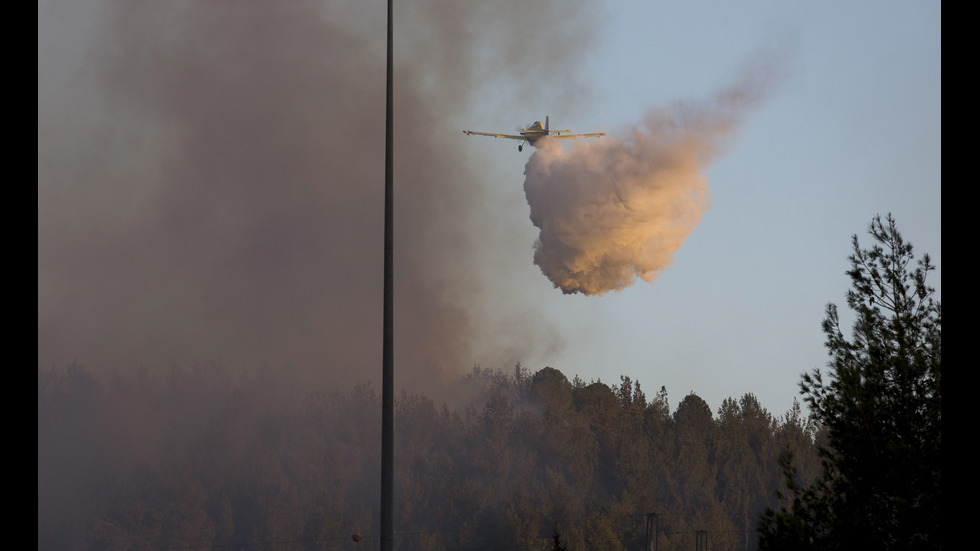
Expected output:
{"points": [[210, 179], [617, 209]]}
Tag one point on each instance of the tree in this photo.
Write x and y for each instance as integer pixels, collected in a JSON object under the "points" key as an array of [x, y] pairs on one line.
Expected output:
{"points": [[556, 536], [881, 407]]}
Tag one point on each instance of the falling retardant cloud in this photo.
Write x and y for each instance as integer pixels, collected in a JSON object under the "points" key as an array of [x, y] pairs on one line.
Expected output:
{"points": [[617, 209]]}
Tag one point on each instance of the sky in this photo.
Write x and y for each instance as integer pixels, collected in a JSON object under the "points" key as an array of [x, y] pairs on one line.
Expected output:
{"points": [[851, 128], [210, 179]]}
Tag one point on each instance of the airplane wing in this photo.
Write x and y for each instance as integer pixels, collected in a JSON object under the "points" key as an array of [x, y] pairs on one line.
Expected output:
{"points": [[508, 136], [570, 136]]}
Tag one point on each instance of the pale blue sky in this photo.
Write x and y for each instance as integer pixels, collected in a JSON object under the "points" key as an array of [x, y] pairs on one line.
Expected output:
{"points": [[853, 129]]}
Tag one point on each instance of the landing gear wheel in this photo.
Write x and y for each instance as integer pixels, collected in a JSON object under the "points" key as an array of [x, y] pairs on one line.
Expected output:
{"points": [[520, 147]]}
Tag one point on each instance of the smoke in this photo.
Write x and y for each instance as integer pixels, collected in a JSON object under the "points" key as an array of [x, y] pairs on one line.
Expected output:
{"points": [[210, 180], [618, 209]]}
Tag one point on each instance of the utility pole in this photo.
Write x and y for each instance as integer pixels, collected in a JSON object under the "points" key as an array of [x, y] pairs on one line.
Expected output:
{"points": [[387, 360], [701, 540], [653, 532]]}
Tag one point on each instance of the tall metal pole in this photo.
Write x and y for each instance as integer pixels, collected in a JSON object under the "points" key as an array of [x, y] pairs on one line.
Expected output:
{"points": [[388, 369], [652, 532]]}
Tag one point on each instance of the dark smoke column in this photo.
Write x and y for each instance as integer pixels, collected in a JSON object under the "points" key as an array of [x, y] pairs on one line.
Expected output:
{"points": [[388, 369]]}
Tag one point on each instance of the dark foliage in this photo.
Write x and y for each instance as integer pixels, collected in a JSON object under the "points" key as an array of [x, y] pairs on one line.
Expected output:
{"points": [[556, 536], [881, 408], [202, 458]]}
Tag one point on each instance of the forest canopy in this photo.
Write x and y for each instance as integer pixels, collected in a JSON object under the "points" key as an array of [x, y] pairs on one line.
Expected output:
{"points": [[201, 458], [208, 457]]}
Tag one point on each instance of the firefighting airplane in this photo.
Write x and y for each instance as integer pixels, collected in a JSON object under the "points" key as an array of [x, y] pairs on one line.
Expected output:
{"points": [[534, 133]]}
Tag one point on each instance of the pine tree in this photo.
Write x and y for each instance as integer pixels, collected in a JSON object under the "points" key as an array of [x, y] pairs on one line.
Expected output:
{"points": [[556, 536], [881, 407]]}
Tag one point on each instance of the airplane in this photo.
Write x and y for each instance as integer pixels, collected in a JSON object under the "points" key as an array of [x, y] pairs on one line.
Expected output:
{"points": [[534, 133]]}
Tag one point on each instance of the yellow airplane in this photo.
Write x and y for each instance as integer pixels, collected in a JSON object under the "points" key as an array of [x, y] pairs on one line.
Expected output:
{"points": [[534, 133]]}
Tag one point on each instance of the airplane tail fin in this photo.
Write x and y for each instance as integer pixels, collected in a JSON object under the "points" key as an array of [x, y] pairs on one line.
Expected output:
{"points": [[546, 123]]}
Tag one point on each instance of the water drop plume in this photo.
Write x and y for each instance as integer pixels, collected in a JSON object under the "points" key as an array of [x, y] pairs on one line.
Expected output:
{"points": [[617, 209]]}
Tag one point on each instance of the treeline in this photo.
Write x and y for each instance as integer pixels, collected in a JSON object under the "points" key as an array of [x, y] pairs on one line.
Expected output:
{"points": [[203, 459]]}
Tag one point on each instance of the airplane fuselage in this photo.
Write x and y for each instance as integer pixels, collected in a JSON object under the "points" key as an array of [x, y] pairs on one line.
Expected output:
{"points": [[535, 132], [532, 137]]}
